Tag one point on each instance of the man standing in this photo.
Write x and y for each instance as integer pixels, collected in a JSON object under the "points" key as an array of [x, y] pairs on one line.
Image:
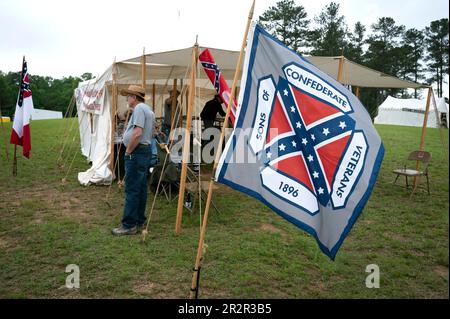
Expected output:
{"points": [[209, 112], [137, 141]]}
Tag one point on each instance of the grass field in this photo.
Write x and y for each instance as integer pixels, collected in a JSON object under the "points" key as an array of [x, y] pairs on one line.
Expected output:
{"points": [[46, 224]]}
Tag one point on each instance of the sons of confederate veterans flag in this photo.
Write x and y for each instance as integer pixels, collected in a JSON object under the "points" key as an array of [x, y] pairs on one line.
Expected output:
{"points": [[20, 134], [303, 144]]}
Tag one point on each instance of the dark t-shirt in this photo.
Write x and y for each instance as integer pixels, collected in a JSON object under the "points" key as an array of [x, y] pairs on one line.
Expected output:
{"points": [[211, 109]]}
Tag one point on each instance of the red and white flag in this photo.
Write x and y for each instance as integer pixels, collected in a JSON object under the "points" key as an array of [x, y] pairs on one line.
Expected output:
{"points": [[217, 79], [21, 127]]}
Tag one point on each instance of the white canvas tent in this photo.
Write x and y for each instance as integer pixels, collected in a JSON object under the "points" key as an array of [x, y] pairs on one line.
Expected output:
{"points": [[410, 112], [40, 114], [94, 98]]}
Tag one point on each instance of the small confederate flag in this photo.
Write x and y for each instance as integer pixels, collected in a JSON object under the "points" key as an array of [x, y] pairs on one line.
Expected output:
{"points": [[217, 79], [21, 127]]}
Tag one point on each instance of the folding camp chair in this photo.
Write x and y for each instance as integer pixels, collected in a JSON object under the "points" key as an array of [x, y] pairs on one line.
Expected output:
{"points": [[416, 156]]}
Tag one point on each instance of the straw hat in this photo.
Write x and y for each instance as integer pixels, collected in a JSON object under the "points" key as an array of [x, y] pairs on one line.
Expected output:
{"points": [[135, 90]]}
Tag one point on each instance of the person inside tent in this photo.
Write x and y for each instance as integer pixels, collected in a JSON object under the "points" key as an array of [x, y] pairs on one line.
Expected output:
{"points": [[210, 110], [167, 121], [137, 140]]}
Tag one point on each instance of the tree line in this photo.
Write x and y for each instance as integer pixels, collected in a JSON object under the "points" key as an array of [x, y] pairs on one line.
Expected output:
{"points": [[411, 54], [48, 93], [417, 55]]}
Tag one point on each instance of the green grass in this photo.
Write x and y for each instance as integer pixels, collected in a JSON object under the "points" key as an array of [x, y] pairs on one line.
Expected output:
{"points": [[46, 224]]}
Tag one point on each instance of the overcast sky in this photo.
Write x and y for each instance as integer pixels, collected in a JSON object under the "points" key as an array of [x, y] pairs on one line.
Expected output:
{"points": [[62, 38]]}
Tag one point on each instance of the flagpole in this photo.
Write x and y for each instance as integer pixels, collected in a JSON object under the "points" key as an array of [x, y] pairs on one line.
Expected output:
{"points": [[187, 137], [196, 274], [15, 145]]}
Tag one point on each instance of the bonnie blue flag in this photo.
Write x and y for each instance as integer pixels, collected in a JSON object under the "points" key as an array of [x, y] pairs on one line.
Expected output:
{"points": [[303, 144]]}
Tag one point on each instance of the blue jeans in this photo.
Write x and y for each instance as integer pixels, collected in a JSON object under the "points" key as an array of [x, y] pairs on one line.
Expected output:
{"points": [[136, 173]]}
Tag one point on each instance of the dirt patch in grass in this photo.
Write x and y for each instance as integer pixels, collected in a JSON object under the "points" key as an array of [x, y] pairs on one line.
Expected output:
{"points": [[157, 290], [442, 271]]}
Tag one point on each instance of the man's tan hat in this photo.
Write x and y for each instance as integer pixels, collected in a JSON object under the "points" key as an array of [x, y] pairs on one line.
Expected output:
{"points": [[135, 90]]}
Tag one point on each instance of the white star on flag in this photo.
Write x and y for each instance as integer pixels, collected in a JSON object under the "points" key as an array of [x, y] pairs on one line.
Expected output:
{"points": [[320, 190], [310, 158], [292, 109], [304, 141], [298, 125], [294, 144], [282, 147], [286, 92], [342, 125], [313, 137], [269, 155], [326, 131], [315, 174]]}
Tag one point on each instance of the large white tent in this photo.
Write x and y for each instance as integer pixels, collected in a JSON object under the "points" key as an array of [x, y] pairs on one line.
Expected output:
{"points": [[411, 112], [40, 114], [94, 98]]}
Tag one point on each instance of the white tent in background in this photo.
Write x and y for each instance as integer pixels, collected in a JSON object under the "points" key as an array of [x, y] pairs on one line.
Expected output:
{"points": [[40, 114], [410, 112], [94, 97]]}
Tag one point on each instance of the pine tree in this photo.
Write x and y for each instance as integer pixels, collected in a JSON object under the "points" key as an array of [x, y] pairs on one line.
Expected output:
{"points": [[288, 23]]}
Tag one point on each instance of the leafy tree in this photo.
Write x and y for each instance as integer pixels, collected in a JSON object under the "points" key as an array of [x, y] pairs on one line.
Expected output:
{"points": [[288, 23], [437, 35], [329, 38]]}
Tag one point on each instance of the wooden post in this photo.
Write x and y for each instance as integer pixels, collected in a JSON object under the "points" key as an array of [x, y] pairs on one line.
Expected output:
{"points": [[187, 140], [424, 127], [113, 116], [341, 69], [154, 97], [194, 286], [144, 71], [425, 119], [357, 92], [173, 106]]}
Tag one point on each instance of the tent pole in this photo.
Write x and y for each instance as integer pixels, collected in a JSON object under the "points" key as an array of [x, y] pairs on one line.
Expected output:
{"points": [[198, 259], [187, 140], [341, 69], [154, 97], [424, 127], [357, 92], [174, 104], [144, 71]]}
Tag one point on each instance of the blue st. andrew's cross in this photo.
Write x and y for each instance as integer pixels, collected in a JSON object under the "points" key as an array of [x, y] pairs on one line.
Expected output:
{"points": [[306, 139], [215, 68]]}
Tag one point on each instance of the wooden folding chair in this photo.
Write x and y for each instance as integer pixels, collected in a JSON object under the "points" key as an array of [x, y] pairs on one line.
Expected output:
{"points": [[416, 156]]}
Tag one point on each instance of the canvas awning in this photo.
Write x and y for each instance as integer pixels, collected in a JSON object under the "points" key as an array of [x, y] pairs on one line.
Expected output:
{"points": [[160, 64]]}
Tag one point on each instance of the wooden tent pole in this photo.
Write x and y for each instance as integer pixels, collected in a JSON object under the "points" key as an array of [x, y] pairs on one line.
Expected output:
{"points": [[173, 106], [424, 127], [154, 97], [187, 140], [144, 71], [198, 259], [340, 69], [425, 119], [357, 92]]}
